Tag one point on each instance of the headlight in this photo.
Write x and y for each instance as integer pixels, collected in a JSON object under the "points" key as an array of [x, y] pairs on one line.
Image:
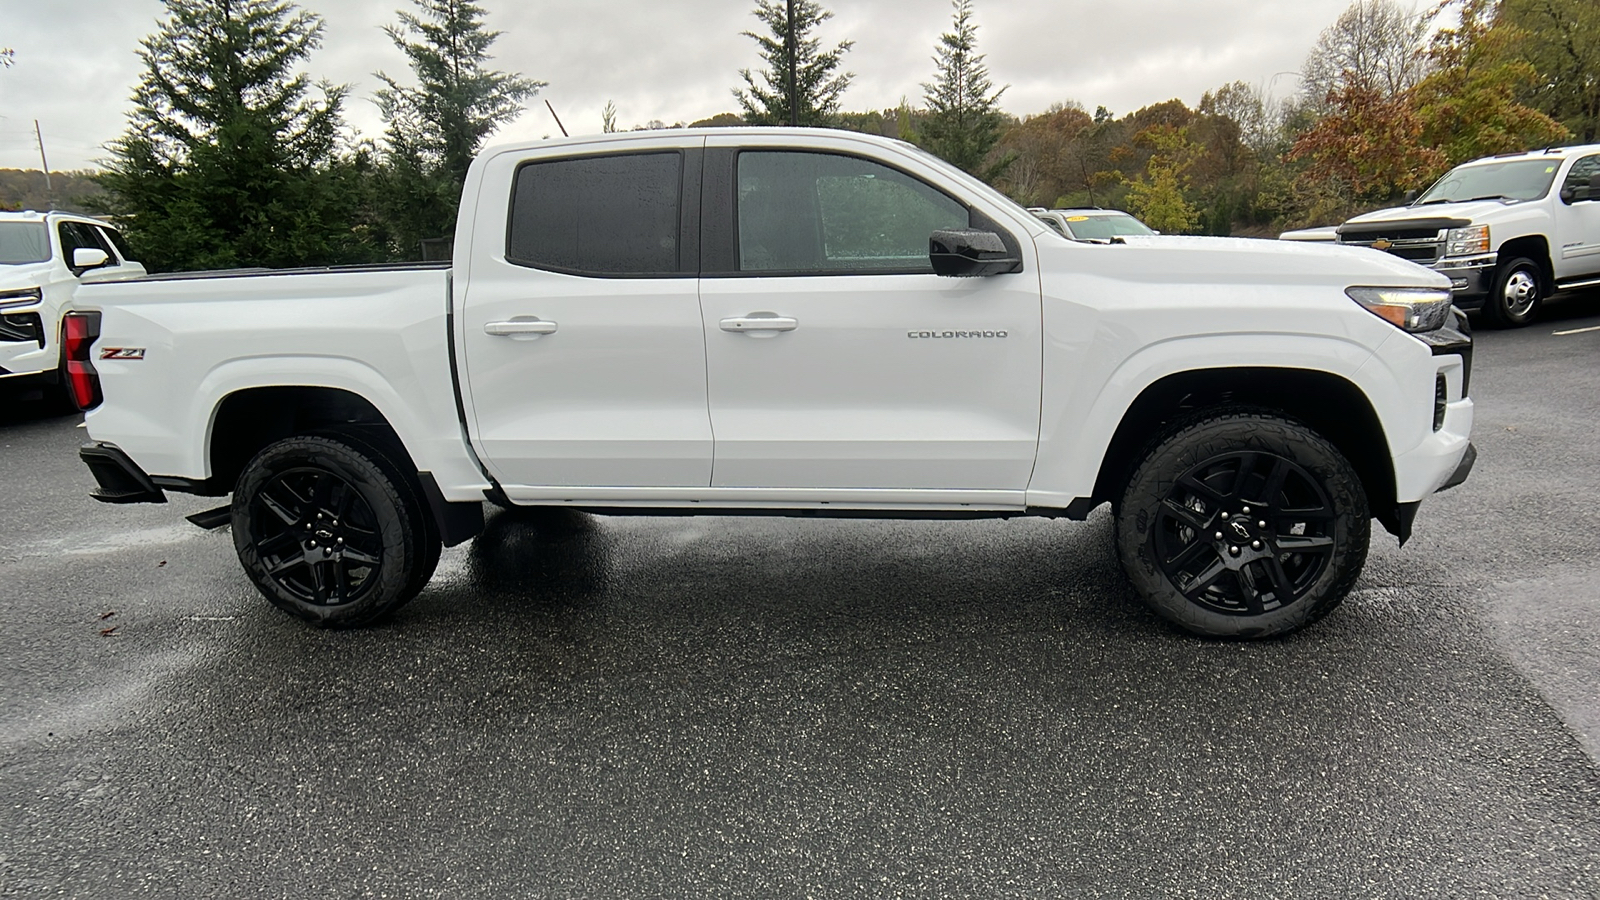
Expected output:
{"points": [[24, 297], [1414, 309], [1467, 241]]}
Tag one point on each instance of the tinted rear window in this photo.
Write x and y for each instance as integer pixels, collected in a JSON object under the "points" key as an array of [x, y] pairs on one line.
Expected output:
{"points": [[603, 215]]}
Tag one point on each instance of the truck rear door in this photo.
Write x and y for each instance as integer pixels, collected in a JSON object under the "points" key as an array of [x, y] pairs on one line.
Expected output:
{"points": [[580, 321]]}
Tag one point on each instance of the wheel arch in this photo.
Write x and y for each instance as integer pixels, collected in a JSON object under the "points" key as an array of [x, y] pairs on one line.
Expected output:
{"points": [[1536, 248], [247, 420], [1330, 404]]}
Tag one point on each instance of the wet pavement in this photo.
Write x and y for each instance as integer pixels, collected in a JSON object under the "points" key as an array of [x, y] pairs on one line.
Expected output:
{"points": [[743, 707]]}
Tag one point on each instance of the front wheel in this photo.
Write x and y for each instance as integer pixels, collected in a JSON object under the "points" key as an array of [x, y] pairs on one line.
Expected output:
{"points": [[1518, 292], [1243, 525], [326, 533]]}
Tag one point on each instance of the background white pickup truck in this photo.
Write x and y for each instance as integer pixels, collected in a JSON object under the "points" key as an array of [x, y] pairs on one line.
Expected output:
{"points": [[1508, 230], [791, 322], [42, 258]]}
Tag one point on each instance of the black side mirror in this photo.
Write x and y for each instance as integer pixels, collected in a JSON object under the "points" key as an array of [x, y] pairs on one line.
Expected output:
{"points": [[969, 253], [1568, 194], [1411, 197]]}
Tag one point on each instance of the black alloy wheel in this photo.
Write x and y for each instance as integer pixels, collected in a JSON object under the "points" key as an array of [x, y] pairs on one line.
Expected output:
{"points": [[1243, 524], [316, 537], [1244, 533], [329, 532]]}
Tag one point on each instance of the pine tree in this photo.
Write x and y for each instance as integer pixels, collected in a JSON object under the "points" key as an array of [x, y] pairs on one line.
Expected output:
{"points": [[226, 161], [817, 88], [435, 128], [965, 120]]}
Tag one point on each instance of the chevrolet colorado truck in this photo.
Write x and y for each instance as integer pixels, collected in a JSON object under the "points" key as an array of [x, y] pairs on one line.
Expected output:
{"points": [[1507, 231], [787, 322], [42, 258]]}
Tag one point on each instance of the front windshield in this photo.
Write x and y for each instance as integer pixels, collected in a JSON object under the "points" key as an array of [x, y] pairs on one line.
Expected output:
{"points": [[1100, 228], [23, 242], [1520, 179]]}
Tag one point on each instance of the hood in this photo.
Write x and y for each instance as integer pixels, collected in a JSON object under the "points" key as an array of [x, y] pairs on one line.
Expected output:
{"points": [[1260, 261], [1468, 212]]}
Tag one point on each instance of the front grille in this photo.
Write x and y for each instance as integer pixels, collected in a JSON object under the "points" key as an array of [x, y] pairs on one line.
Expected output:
{"points": [[1369, 233], [1416, 254], [1417, 245]]}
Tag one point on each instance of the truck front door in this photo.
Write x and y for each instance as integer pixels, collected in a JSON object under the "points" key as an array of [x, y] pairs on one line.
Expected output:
{"points": [[580, 323], [836, 359], [1577, 224]]}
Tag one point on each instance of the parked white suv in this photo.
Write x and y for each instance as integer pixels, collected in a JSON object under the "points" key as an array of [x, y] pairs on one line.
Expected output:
{"points": [[788, 322], [1508, 230], [43, 257]]}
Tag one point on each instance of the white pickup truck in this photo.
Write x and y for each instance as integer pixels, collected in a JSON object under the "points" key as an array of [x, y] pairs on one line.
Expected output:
{"points": [[788, 322], [42, 258], [1507, 230]]}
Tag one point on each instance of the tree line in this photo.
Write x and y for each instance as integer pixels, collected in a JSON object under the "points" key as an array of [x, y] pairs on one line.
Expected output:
{"points": [[233, 156], [1388, 100]]}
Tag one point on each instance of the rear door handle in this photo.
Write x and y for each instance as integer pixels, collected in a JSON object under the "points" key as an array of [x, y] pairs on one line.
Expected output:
{"points": [[761, 324], [521, 326]]}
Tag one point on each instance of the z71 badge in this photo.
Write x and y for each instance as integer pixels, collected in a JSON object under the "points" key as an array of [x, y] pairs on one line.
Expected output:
{"points": [[122, 353]]}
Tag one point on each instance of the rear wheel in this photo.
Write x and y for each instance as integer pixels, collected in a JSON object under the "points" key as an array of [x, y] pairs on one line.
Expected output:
{"points": [[1518, 292], [326, 533], [1243, 525]]}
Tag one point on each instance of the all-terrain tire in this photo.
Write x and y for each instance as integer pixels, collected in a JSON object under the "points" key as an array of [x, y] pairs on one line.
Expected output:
{"points": [[326, 533], [404, 478], [1242, 524]]}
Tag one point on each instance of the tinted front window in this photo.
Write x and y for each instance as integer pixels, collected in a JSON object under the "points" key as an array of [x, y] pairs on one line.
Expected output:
{"points": [[1522, 179], [1580, 176], [818, 212], [116, 240], [78, 234], [23, 242], [606, 215]]}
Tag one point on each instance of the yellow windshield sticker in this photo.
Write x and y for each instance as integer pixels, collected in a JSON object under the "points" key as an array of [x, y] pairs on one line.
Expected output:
{"points": [[1077, 218], [1549, 169]]}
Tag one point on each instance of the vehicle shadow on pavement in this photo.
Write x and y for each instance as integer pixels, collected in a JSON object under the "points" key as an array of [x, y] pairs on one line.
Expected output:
{"points": [[23, 402]]}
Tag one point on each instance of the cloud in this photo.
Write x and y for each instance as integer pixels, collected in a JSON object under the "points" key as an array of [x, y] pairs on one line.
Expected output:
{"points": [[678, 61]]}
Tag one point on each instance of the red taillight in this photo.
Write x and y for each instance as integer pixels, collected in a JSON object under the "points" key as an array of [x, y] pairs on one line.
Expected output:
{"points": [[79, 331]]}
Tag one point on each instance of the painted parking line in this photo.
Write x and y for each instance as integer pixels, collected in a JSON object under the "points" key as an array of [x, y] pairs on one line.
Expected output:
{"points": [[1578, 330]]}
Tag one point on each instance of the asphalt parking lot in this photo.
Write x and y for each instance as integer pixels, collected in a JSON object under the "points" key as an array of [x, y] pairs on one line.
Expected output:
{"points": [[731, 707]]}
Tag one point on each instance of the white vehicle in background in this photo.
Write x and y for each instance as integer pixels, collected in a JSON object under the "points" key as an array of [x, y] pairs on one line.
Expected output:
{"points": [[1092, 224], [1320, 234], [1508, 230], [43, 257]]}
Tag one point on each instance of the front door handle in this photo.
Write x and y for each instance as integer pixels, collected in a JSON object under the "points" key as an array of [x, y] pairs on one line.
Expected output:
{"points": [[521, 326], [760, 324]]}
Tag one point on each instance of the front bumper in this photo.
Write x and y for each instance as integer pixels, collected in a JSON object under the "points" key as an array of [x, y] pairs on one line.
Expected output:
{"points": [[1471, 278], [1463, 470]]}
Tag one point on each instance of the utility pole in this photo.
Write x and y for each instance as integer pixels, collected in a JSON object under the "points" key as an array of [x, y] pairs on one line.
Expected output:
{"points": [[794, 91], [42, 160], [50, 191]]}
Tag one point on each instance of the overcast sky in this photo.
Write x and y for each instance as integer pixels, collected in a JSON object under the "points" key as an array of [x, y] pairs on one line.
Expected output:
{"points": [[677, 60]]}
